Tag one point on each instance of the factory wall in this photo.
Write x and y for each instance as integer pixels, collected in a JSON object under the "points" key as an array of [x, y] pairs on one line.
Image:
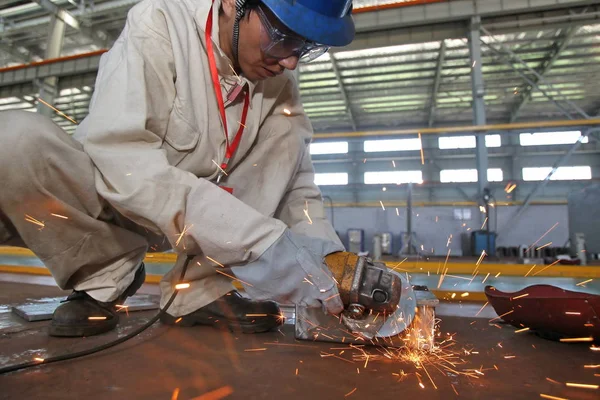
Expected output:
{"points": [[433, 226]]}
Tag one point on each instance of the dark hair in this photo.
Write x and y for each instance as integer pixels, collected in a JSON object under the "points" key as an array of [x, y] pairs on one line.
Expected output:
{"points": [[249, 6]]}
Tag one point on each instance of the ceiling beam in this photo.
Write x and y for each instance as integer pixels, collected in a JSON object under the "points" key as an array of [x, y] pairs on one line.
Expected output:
{"points": [[559, 46], [99, 38], [347, 104], [436, 83], [14, 53]]}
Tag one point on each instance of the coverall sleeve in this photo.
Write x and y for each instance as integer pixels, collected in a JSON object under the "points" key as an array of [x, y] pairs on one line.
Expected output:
{"points": [[302, 206], [125, 129]]}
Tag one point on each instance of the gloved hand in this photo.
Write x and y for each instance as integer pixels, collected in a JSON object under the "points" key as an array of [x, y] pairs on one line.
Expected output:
{"points": [[292, 270]]}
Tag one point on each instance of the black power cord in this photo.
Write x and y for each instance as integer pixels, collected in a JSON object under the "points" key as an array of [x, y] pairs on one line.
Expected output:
{"points": [[70, 356]]}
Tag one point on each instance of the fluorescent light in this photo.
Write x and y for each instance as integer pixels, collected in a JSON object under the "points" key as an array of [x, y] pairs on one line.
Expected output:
{"points": [[469, 175], [392, 145], [391, 177], [329, 148], [550, 138], [335, 178], [561, 174]]}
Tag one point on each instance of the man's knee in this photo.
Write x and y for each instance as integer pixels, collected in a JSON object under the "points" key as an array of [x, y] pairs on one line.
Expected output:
{"points": [[26, 135]]}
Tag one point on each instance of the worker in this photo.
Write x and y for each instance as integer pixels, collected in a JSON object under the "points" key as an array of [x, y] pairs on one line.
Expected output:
{"points": [[196, 141]]}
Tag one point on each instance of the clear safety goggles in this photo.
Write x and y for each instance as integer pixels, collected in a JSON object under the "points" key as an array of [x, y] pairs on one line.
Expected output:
{"points": [[280, 45]]}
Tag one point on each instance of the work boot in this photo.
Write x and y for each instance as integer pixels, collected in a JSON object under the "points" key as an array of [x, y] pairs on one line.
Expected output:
{"points": [[82, 315], [232, 311]]}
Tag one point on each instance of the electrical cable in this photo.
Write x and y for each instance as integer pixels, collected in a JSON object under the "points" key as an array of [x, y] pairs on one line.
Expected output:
{"points": [[82, 353]]}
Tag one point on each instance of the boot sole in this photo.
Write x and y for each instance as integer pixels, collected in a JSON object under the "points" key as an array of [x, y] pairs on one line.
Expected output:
{"points": [[81, 330], [99, 327]]}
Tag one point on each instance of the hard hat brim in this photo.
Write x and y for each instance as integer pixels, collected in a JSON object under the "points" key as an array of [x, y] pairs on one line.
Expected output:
{"points": [[311, 25]]}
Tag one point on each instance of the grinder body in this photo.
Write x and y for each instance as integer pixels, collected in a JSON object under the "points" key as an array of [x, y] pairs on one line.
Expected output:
{"points": [[367, 290]]}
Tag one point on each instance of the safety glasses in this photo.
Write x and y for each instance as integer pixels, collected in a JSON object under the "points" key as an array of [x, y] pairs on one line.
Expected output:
{"points": [[280, 45]]}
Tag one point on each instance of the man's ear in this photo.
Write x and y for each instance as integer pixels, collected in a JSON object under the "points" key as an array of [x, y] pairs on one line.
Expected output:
{"points": [[228, 8]]}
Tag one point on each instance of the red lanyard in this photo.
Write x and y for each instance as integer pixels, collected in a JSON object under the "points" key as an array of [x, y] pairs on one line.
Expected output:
{"points": [[230, 148]]}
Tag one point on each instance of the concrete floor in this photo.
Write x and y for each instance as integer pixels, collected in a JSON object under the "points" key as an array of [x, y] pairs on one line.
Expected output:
{"points": [[203, 363]]}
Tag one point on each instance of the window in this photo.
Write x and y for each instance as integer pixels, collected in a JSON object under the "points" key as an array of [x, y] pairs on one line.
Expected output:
{"points": [[561, 174], [548, 138], [393, 177], [467, 142], [329, 148], [469, 175], [462, 214], [336, 178], [392, 145]]}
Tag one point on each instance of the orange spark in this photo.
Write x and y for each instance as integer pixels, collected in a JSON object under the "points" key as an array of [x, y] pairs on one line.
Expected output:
{"points": [[582, 385], [260, 349], [215, 261], [175, 394], [38, 359], [381, 202], [57, 111], [29, 218], [296, 371], [553, 381], [584, 282], [181, 286], [421, 148], [592, 366], [574, 340], [217, 394], [520, 296], [481, 309], [500, 316], [572, 313], [485, 279], [232, 277], [287, 112], [546, 245], [59, 216], [464, 294], [546, 267], [178, 320], [531, 269], [306, 213], [547, 396], [421, 384], [547, 232], [507, 357], [331, 297], [521, 330], [350, 392], [497, 275], [256, 315], [96, 318], [484, 222], [218, 166], [185, 229]]}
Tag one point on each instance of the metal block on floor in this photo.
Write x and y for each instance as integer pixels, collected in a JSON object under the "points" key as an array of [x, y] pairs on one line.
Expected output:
{"points": [[42, 309]]}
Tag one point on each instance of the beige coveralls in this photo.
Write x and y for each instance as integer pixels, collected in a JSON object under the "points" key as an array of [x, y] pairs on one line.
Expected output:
{"points": [[141, 169]]}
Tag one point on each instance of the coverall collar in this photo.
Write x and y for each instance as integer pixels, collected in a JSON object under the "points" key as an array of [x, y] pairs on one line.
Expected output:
{"points": [[227, 76]]}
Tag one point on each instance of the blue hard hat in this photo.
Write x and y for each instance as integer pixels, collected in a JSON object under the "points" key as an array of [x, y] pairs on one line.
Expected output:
{"points": [[326, 22]]}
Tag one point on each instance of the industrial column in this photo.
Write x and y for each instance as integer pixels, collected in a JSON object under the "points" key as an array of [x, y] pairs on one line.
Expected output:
{"points": [[478, 91], [49, 86], [478, 105]]}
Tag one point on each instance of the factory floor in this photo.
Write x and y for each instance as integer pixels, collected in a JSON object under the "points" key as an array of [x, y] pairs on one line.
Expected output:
{"points": [[203, 363]]}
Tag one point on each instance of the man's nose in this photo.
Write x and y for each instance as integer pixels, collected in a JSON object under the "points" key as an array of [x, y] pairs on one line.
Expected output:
{"points": [[290, 63]]}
